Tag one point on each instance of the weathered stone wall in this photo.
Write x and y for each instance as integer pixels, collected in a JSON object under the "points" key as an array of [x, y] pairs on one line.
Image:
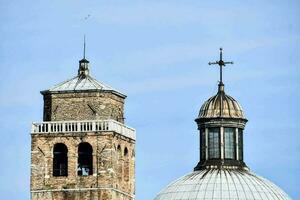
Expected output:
{"points": [[83, 106], [113, 167], [99, 194], [113, 175]]}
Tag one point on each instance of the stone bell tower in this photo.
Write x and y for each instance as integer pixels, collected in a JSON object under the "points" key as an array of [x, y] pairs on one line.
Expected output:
{"points": [[82, 149]]}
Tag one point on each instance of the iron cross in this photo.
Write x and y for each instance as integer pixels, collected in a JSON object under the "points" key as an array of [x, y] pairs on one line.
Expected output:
{"points": [[221, 63]]}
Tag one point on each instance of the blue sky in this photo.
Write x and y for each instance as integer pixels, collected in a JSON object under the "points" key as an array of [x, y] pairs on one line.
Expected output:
{"points": [[157, 52]]}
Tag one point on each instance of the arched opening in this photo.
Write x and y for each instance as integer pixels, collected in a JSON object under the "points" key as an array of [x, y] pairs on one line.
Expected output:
{"points": [[120, 163], [119, 151], [125, 152], [60, 160], [85, 159], [126, 165]]}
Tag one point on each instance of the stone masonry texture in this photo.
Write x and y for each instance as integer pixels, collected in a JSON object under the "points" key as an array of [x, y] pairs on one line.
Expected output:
{"points": [[113, 155], [83, 106]]}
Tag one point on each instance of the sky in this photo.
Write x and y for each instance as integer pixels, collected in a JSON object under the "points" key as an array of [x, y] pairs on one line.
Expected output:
{"points": [[156, 52]]}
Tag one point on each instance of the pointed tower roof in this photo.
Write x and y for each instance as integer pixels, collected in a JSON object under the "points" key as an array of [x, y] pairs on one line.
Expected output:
{"points": [[82, 82]]}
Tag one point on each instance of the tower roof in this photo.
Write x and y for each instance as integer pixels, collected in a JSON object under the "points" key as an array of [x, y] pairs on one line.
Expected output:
{"points": [[81, 83]]}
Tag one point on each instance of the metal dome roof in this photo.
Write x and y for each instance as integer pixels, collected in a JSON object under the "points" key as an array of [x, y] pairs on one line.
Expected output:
{"points": [[221, 105], [222, 184]]}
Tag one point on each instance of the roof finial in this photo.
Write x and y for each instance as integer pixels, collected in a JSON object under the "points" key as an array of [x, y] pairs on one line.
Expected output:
{"points": [[221, 64], [84, 46], [83, 63]]}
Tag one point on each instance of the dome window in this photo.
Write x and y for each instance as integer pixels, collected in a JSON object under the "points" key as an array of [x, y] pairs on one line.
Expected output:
{"points": [[202, 144], [229, 140], [213, 143], [240, 143]]}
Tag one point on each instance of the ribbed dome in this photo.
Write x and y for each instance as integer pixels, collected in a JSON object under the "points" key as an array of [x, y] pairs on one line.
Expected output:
{"points": [[221, 184], [221, 105]]}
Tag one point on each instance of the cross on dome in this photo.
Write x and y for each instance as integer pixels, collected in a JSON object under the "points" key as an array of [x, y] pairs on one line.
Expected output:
{"points": [[221, 64]]}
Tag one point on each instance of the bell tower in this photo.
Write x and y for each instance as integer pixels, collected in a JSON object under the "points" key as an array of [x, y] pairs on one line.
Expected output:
{"points": [[82, 149]]}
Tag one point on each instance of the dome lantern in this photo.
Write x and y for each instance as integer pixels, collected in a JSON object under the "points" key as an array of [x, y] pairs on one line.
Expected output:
{"points": [[221, 122]]}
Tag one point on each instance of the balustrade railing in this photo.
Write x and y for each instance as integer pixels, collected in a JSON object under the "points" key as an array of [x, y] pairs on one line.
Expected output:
{"points": [[82, 126]]}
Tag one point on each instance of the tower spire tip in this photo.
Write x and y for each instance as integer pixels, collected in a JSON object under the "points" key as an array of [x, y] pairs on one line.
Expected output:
{"points": [[84, 46]]}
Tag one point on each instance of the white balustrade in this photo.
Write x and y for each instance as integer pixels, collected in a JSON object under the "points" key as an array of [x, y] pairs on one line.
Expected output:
{"points": [[82, 126]]}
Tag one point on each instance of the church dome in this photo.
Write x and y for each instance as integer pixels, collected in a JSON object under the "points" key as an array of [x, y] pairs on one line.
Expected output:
{"points": [[221, 173], [218, 184], [221, 105]]}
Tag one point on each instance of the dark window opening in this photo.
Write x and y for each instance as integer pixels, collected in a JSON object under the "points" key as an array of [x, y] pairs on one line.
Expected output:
{"points": [[202, 144], [126, 165], [60, 160], [85, 159], [214, 143], [229, 140], [240, 143], [119, 152], [120, 163], [125, 151]]}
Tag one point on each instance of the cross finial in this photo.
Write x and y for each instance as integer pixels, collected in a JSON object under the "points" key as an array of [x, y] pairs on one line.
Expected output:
{"points": [[221, 63]]}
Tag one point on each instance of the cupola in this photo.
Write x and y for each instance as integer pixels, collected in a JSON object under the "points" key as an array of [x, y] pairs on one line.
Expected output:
{"points": [[221, 122]]}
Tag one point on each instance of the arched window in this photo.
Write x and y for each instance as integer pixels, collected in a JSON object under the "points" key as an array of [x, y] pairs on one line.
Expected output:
{"points": [[119, 151], [125, 152], [120, 163], [126, 165], [85, 159], [60, 160], [229, 140], [213, 143]]}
